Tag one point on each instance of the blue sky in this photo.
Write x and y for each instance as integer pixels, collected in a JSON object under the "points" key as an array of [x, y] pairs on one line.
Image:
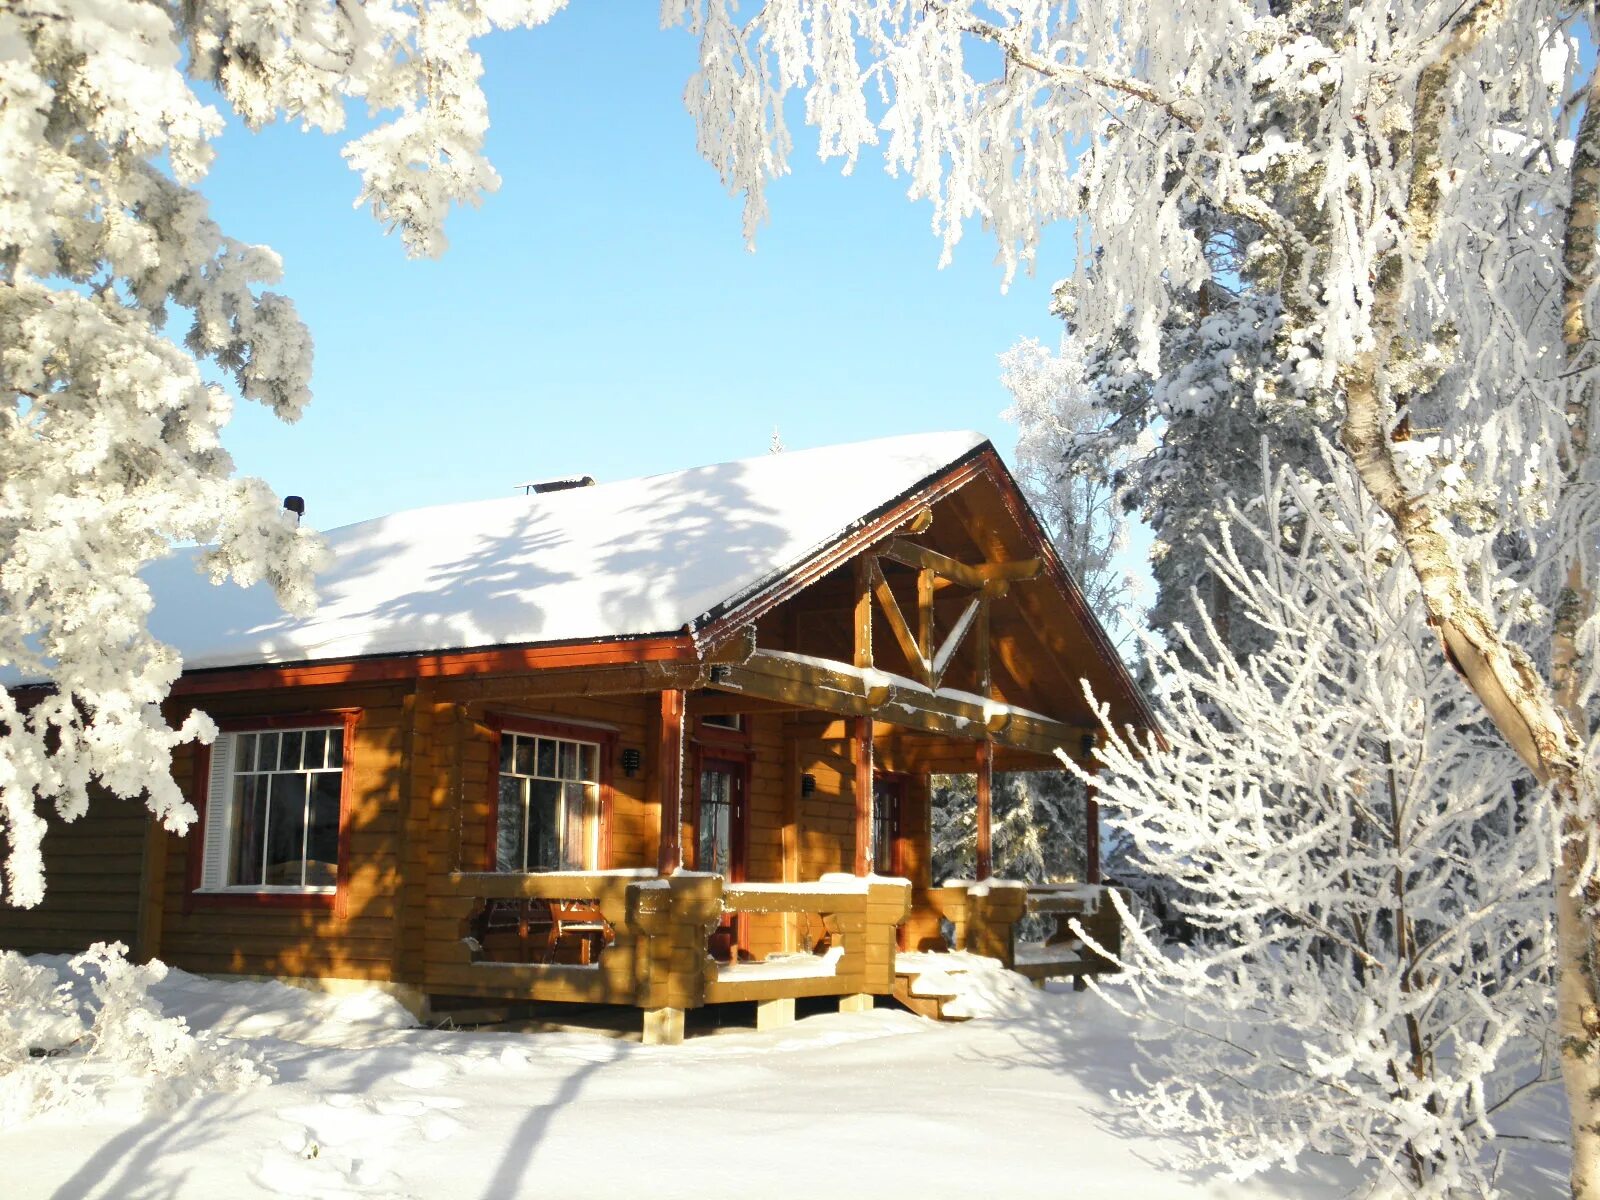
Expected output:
{"points": [[600, 313]]}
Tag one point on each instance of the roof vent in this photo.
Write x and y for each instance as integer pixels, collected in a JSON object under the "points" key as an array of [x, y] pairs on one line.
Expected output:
{"points": [[538, 487]]}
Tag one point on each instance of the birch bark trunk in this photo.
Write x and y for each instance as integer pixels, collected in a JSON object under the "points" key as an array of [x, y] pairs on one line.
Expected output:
{"points": [[1541, 720], [1577, 1006]]}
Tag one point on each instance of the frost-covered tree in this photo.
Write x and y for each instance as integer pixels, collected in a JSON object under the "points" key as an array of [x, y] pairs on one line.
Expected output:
{"points": [[1421, 186], [1037, 831], [118, 292], [1055, 412], [1366, 862]]}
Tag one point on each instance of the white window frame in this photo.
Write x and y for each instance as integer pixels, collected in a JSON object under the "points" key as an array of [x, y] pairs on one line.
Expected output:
{"points": [[222, 810], [591, 805]]}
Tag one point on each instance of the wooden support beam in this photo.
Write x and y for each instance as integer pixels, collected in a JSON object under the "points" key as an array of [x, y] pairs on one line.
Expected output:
{"points": [[985, 810], [863, 612], [586, 681], [912, 554], [669, 780], [1091, 837], [863, 795], [947, 652], [925, 583], [920, 667], [982, 634], [771, 675]]}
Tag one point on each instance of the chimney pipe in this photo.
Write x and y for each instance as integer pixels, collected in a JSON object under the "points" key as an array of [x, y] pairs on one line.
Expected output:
{"points": [[296, 505]]}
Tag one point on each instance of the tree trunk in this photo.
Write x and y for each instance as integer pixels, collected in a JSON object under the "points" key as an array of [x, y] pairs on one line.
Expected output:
{"points": [[1541, 720], [1577, 1008]]}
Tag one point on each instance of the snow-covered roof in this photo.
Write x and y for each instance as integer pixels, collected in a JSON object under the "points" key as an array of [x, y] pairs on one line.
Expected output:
{"points": [[634, 557]]}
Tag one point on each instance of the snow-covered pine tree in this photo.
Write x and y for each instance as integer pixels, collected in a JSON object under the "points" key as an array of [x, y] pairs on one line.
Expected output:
{"points": [[1368, 863], [1433, 264], [110, 446]]}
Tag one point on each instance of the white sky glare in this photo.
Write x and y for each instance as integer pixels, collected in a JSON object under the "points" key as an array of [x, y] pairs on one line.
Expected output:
{"points": [[600, 314]]}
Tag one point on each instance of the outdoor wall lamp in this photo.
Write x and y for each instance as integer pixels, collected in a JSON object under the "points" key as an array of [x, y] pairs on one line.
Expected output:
{"points": [[808, 784], [631, 761]]}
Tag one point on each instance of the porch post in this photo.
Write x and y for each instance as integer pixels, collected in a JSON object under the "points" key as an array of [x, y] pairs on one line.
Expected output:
{"points": [[1091, 841], [863, 731], [863, 757], [1091, 819], [985, 787], [669, 780]]}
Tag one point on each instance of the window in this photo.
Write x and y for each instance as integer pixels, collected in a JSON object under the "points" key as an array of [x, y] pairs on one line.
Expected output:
{"points": [[548, 804], [717, 847], [273, 811], [886, 798], [733, 721]]}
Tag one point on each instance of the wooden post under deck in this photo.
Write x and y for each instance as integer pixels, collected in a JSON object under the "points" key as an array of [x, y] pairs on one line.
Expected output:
{"points": [[985, 813], [669, 780]]}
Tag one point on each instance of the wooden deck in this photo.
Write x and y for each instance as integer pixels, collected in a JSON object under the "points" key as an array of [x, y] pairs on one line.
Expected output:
{"points": [[657, 959]]}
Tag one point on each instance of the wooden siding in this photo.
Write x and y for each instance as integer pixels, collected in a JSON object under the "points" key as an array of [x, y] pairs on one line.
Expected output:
{"points": [[93, 867]]}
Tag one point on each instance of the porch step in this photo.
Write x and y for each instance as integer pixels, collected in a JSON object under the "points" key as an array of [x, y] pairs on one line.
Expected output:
{"points": [[928, 993]]}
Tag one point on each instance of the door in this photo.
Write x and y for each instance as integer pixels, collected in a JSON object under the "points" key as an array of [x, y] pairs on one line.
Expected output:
{"points": [[719, 839], [888, 832], [888, 800]]}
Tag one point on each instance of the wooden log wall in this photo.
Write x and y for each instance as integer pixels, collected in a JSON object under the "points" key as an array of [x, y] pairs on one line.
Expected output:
{"points": [[92, 871]]}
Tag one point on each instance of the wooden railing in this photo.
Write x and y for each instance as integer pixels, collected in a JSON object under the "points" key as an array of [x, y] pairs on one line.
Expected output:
{"points": [[986, 917], [657, 957], [860, 917]]}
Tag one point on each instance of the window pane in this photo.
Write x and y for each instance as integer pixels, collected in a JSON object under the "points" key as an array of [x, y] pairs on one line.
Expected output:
{"points": [[524, 756], [544, 826], [575, 842], [286, 827], [289, 750], [508, 746], [716, 789], [336, 747], [587, 766], [569, 759], [316, 748], [266, 751], [244, 750], [322, 835], [546, 766], [249, 825], [510, 825]]}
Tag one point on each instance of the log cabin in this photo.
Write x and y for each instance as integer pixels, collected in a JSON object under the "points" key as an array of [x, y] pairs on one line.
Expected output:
{"points": [[664, 742]]}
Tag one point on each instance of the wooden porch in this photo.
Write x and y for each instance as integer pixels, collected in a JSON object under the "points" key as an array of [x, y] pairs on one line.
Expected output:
{"points": [[804, 708]]}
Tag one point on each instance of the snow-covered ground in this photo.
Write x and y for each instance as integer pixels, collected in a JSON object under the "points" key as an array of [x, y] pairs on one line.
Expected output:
{"points": [[882, 1104]]}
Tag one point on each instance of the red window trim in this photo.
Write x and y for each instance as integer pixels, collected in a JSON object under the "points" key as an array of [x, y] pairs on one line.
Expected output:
{"points": [[336, 901], [605, 738], [737, 742]]}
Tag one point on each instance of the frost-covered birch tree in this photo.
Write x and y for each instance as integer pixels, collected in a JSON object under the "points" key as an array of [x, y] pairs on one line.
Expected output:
{"points": [[1419, 181], [1368, 861], [1055, 411], [119, 292]]}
